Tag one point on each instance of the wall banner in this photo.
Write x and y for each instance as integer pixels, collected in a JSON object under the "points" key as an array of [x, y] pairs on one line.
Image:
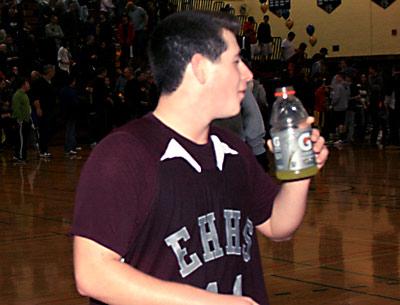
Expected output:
{"points": [[280, 7], [383, 3], [329, 5]]}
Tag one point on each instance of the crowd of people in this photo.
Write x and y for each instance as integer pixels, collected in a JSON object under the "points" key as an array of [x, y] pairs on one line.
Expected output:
{"points": [[77, 61], [89, 66], [352, 102], [355, 102]]}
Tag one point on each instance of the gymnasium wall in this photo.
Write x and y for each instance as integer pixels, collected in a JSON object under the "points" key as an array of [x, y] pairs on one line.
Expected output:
{"points": [[357, 27]]}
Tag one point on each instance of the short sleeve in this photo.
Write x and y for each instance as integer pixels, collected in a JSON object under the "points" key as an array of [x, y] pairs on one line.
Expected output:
{"points": [[265, 190], [114, 193]]}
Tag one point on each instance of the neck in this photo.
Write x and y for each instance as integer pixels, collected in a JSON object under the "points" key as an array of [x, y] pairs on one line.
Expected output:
{"points": [[176, 112]]}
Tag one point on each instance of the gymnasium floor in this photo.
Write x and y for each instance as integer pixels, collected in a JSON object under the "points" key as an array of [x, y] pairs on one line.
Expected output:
{"points": [[345, 253]]}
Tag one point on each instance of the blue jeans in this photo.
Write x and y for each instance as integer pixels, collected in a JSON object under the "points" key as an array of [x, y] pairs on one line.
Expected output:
{"points": [[70, 135]]}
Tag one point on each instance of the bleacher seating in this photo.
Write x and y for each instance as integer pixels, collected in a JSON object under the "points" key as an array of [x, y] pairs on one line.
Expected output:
{"points": [[211, 5]]}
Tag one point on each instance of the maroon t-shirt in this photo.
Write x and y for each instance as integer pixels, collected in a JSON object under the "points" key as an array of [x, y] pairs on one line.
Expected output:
{"points": [[177, 210]]}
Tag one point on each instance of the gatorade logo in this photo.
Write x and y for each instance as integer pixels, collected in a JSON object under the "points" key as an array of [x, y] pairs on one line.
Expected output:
{"points": [[276, 142], [304, 141]]}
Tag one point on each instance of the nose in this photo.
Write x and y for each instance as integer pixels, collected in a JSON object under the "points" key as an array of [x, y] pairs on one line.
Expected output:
{"points": [[247, 75]]}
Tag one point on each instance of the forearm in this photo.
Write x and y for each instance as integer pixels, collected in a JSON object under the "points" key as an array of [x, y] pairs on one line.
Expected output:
{"points": [[291, 202], [102, 276], [121, 284], [288, 211]]}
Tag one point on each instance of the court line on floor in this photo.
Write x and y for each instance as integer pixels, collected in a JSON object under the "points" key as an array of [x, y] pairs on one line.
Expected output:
{"points": [[335, 287]]}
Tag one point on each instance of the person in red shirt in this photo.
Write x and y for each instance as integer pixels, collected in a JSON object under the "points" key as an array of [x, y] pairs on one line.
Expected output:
{"points": [[125, 35]]}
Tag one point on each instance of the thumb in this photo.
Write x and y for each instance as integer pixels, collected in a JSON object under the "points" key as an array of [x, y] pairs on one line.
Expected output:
{"points": [[270, 146]]}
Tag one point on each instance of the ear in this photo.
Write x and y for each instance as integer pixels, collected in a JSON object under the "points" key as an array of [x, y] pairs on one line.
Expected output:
{"points": [[199, 65]]}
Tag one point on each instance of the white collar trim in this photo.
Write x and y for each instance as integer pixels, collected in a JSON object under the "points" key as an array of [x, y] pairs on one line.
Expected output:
{"points": [[176, 150]]}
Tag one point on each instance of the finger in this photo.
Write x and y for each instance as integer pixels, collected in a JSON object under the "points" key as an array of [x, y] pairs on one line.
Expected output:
{"points": [[319, 144], [315, 134], [270, 146], [310, 120], [322, 157]]}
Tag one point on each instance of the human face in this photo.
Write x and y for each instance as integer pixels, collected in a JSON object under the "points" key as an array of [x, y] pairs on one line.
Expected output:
{"points": [[26, 86], [228, 81], [127, 73]]}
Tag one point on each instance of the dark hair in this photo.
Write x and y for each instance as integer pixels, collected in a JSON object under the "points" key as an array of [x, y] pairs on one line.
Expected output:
{"points": [[101, 70], [20, 81], [180, 36], [302, 46], [47, 68], [323, 51]]}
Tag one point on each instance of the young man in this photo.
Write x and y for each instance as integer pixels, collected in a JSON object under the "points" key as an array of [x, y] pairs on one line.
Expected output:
{"points": [[21, 112], [167, 206], [264, 37], [44, 103], [287, 46]]}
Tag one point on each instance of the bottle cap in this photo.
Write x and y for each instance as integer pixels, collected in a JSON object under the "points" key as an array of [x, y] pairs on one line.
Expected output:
{"points": [[284, 92]]}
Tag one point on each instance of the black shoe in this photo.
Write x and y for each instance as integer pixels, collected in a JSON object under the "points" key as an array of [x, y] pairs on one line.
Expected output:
{"points": [[45, 155], [17, 160]]}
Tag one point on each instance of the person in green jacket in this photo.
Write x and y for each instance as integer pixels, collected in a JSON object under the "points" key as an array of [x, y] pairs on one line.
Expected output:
{"points": [[21, 112]]}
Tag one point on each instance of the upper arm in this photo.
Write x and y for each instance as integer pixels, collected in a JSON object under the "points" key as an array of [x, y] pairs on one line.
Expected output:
{"points": [[88, 254], [114, 193], [90, 257], [265, 228]]}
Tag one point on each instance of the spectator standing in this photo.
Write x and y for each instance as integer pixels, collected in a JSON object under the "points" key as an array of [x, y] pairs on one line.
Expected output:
{"points": [[21, 112], [250, 34], [64, 59], [6, 123], [318, 66], [104, 29], [264, 38], [71, 26], [394, 108], [320, 105], [44, 101], [249, 126], [299, 59], [361, 108], [139, 19], [125, 35], [69, 110], [98, 124], [131, 94], [340, 95], [54, 34], [29, 52], [287, 47], [351, 108], [377, 110], [107, 6]]}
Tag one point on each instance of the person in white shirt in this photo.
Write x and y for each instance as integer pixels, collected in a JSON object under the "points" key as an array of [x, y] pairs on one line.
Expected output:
{"points": [[64, 57], [287, 46]]}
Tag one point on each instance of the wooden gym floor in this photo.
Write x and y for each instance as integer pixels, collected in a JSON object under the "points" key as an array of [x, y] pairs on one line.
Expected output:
{"points": [[345, 253]]}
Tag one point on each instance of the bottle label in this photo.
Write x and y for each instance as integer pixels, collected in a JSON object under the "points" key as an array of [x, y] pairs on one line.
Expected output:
{"points": [[293, 149]]}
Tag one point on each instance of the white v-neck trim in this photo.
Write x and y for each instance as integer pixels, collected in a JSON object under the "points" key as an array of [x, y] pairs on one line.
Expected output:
{"points": [[176, 150]]}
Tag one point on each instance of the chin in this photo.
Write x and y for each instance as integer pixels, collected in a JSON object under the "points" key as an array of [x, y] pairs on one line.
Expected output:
{"points": [[228, 115], [234, 113]]}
